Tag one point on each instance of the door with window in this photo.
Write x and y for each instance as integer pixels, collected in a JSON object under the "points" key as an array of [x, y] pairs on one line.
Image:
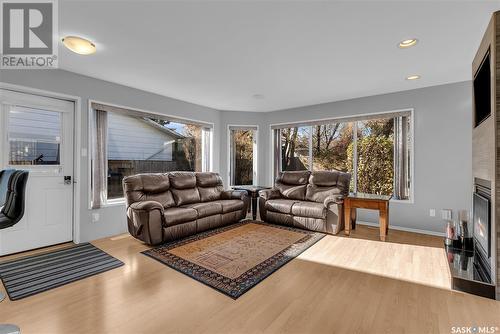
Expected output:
{"points": [[243, 155], [37, 135]]}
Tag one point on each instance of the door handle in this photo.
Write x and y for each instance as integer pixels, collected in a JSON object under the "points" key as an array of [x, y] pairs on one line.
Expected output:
{"points": [[67, 179]]}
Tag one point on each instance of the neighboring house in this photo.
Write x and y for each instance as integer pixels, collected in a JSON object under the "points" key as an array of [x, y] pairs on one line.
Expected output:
{"points": [[140, 145], [136, 138], [34, 135]]}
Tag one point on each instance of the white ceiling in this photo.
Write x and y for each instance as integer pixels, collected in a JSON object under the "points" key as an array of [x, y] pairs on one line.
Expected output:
{"points": [[220, 54]]}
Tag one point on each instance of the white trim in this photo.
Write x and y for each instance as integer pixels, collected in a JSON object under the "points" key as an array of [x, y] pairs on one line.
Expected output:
{"points": [[336, 119], [271, 156], [77, 121], [411, 200], [119, 201], [177, 118], [255, 172], [402, 228]]}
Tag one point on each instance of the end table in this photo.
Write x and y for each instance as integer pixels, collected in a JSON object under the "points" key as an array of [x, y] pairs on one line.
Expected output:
{"points": [[253, 192], [367, 201]]}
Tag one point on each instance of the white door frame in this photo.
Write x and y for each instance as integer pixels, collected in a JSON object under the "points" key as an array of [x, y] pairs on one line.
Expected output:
{"points": [[77, 134]]}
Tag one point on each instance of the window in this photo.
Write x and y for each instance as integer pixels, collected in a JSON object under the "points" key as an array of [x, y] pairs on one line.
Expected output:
{"points": [[330, 146], [375, 156], [243, 151], [34, 136], [295, 148], [375, 149], [137, 143]]}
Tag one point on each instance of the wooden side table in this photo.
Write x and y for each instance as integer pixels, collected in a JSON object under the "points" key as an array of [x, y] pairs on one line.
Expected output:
{"points": [[253, 192], [367, 201]]}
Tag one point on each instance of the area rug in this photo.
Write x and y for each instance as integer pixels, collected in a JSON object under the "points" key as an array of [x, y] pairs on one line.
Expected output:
{"points": [[235, 258], [30, 275]]}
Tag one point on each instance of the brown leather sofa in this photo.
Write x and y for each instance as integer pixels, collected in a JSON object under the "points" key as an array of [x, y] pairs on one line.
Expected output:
{"points": [[311, 201], [165, 207]]}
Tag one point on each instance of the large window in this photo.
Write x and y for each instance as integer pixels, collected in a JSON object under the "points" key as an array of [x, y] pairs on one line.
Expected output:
{"points": [[243, 150], [128, 143], [374, 149]]}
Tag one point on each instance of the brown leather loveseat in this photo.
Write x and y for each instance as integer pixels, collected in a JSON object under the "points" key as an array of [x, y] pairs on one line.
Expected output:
{"points": [[308, 200], [169, 206]]}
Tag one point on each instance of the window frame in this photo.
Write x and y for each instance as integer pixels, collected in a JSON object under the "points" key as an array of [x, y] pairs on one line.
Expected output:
{"points": [[89, 152], [344, 119], [255, 172]]}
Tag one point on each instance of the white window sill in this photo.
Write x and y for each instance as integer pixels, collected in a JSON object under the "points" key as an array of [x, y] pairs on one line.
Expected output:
{"points": [[402, 201], [114, 202]]}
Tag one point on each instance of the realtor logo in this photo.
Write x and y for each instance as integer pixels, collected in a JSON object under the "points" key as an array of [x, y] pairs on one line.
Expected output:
{"points": [[29, 34]]}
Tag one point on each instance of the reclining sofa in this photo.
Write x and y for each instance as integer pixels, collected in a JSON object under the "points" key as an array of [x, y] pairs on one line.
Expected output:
{"points": [[308, 200], [169, 206]]}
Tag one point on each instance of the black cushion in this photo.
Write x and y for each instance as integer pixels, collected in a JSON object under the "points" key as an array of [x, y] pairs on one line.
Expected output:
{"points": [[4, 184], [13, 209]]}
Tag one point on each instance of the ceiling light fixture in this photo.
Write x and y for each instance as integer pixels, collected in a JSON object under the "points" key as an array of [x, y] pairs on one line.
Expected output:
{"points": [[408, 43], [413, 77], [79, 45]]}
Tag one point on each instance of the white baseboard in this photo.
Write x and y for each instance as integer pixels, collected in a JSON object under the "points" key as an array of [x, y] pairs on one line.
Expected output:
{"points": [[402, 228]]}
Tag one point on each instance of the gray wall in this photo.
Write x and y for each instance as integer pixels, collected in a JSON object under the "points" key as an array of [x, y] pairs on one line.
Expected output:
{"points": [[112, 219], [443, 146]]}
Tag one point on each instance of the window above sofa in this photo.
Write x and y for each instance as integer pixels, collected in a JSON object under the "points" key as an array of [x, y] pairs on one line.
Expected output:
{"points": [[128, 142], [376, 149]]}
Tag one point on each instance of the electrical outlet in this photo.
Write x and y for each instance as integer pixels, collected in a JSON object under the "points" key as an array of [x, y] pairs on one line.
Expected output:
{"points": [[432, 212], [446, 214], [95, 217]]}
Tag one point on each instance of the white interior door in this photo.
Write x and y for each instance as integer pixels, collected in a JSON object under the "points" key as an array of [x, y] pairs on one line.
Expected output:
{"points": [[37, 135]]}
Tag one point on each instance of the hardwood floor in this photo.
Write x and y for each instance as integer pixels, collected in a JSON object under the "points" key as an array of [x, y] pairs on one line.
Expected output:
{"points": [[354, 284]]}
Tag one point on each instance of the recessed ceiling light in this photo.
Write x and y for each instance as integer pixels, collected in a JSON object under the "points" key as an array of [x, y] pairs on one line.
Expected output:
{"points": [[258, 96], [79, 45], [413, 77], [408, 43]]}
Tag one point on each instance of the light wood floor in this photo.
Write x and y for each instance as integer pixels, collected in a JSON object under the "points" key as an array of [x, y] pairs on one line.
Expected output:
{"points": [[340, 285]]}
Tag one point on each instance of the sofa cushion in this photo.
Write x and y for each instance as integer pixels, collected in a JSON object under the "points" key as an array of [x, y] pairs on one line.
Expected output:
{"points": [[291, 192], [186, 196], [229, 205], [294, 177], [174, 216], [319, 194], [292, 185], [182, 180], [280, 205], [209, 186], [205, 209], [148, 187], [309, 209], [325, 183]]}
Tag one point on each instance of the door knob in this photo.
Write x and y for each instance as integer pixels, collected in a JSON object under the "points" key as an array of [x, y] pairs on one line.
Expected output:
{"points": [[67, 179]]}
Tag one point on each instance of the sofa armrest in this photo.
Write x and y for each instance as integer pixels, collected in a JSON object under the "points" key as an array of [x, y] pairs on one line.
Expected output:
{"points": [[146, 221], [234, 194], [147, 206], [333, 199], [268, 194]]}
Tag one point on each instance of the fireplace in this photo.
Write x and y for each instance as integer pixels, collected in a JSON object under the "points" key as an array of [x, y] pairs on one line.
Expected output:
{"points": [[482, 229]]}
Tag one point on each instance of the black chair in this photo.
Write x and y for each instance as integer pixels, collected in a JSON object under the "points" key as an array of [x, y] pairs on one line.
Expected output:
{"points": [[4, 183], [12, 194], [13, 197]]}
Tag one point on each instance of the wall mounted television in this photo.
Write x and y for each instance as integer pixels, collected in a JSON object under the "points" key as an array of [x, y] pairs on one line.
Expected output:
{"points": [[482, 91]]}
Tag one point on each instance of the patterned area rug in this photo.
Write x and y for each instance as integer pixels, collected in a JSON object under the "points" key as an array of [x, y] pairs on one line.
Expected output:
{"points": [[235, 258]]}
